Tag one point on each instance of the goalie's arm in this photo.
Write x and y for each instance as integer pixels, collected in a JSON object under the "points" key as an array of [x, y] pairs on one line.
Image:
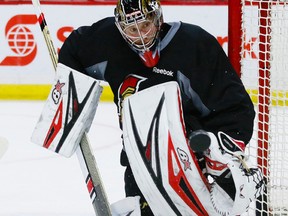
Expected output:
{"points": [[92, 62], [222, 92], [68, 52]]}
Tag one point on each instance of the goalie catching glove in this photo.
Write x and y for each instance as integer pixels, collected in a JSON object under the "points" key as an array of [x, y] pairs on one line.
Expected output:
{"points": [[236, 185]]}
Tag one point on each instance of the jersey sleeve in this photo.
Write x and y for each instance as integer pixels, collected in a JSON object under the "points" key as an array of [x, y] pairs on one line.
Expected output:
{"points": [[68, 54], [223, 93]]}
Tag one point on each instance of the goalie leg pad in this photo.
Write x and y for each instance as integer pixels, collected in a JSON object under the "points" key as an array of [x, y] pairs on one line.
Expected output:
{"points": [[164, 166]]}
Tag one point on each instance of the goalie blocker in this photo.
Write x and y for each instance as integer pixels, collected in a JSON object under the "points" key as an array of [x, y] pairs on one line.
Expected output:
{"points": [[68, 112], [165, 167]]}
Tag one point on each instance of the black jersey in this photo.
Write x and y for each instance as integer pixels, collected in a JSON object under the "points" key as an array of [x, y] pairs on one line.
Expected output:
{"points": [[213, 95]]}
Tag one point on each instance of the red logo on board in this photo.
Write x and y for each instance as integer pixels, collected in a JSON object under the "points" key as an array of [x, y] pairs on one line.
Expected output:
{"points": [[20, 40]]}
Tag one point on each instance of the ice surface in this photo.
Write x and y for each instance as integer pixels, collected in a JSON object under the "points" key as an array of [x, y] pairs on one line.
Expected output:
{"points": [[37, 182]]}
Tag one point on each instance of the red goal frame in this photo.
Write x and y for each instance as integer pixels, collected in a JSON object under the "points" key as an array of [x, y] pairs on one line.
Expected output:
{"points": [[234, 52], [263, 99]]}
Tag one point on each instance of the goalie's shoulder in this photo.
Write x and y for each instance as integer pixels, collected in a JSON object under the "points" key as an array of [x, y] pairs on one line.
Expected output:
{"points": [[193, 30], [197, 35], [88, 45]]}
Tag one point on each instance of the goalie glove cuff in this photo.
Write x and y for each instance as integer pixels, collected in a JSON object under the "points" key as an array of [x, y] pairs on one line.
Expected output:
{"points": [[231, 146], [222, 149]]}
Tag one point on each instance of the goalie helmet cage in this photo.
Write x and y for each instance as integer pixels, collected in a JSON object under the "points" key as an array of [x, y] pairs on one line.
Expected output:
{"points": [[258, 49]]}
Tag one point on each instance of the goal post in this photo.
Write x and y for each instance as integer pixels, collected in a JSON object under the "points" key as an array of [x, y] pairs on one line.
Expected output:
{"points": [[234, 34], [263, 50]]}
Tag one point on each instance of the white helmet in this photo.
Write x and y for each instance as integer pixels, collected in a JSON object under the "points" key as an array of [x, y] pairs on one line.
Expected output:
{"points": [[133, 14]]}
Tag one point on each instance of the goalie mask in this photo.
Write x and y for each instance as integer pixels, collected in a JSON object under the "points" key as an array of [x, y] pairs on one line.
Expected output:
{"points": [[139, 22]]}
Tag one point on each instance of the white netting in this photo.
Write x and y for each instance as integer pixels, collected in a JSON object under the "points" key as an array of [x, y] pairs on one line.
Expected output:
{"points": [[264, 66]]}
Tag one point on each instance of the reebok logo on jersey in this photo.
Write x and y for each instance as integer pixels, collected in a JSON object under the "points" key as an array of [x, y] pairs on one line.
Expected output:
{"points": [[163, 71]]}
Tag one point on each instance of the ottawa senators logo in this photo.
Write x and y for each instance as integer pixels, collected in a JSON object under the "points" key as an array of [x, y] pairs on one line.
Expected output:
{"points": [[128, 87]]}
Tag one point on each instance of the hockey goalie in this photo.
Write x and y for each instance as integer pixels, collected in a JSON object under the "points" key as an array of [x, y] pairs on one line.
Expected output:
{"points": [[200, 173], [178, 171]]}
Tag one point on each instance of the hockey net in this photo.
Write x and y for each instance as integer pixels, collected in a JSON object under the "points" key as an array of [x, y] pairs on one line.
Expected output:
{"points": [[264, 72]]}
